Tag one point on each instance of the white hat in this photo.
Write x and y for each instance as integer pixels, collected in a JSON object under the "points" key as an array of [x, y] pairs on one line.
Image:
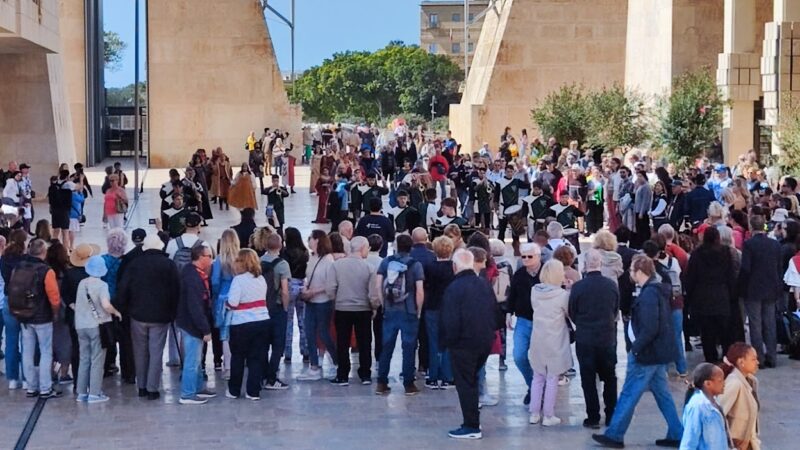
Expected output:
{"points": [[152, 242], [780, 215]]}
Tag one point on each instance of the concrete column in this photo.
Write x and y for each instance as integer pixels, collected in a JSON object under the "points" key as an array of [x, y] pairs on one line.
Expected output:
{"points": [[786, 10], [736, 65]]}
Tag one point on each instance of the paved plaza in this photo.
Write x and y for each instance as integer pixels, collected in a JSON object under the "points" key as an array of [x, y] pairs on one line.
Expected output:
{"points": [[320, 415]]}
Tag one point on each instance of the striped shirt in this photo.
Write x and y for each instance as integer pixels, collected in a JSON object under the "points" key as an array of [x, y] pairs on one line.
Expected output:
{"points": [[247, 299]]}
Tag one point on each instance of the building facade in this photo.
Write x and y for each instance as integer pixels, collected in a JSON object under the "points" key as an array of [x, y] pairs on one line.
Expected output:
{"points": [[441, 28]]}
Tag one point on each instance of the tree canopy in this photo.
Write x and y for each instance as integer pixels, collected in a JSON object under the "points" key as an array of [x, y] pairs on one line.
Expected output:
{"points": [[396, 79], [113, 48]]}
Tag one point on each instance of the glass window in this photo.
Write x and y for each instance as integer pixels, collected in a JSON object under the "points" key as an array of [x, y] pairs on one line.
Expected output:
{"points": [[433, 20], [456, 48], [471, 47], [471, 17], [433, 48], [456, 17]]}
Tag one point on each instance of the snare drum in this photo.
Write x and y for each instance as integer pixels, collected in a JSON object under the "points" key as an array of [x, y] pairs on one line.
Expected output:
{"points": [[516, 219]]}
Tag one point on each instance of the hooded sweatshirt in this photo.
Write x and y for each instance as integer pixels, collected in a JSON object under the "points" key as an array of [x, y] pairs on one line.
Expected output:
{"points": [[612, 265]]}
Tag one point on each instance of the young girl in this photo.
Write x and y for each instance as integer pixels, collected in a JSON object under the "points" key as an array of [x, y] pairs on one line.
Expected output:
{"points": [[739, 402], [704, 426], [92, 309]]}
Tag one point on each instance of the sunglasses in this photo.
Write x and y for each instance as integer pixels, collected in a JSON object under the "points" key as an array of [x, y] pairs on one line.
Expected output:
{"points": [[529, 256]]}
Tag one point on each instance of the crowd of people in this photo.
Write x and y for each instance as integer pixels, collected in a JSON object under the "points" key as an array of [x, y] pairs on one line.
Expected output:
{"points": [[417, 249]]}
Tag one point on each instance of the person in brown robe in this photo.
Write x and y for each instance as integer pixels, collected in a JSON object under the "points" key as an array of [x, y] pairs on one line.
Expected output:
{"points": [[242, 193], [221, 176]]}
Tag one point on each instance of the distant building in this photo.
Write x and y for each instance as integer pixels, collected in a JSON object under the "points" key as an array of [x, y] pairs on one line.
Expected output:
{"points": [[442, 28]]}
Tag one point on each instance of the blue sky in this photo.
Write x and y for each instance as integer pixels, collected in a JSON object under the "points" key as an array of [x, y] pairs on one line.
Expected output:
{"points": [[324, 27]]}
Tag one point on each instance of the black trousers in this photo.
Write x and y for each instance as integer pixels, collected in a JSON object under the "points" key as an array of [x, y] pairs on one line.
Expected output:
{"points": [[248, 346], [502, 224], [714, 331], [594, 217], [598, 362], [216, 347], [422, 350], [276, 343], [377, 332], [483, 220], [466, 365], [346, 323], [127, 363]]}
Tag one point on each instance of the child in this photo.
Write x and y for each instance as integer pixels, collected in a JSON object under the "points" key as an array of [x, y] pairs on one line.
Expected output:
{"points": [[275, 195], [93, 308], [704, 425]]}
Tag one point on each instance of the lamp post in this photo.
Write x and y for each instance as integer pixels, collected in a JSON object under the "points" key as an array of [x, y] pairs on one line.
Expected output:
{"points": [[290, 24], [136, 119]]}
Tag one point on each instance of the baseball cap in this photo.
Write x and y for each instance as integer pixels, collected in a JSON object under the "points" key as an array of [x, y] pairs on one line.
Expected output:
{"points": [[193, 220], [138, 235]]}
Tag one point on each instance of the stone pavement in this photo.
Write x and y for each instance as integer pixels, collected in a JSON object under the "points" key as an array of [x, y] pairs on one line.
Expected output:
{"points": [[320, 415]]}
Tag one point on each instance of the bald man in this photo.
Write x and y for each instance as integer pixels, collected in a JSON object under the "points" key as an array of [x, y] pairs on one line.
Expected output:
{"points": [[421, 252]]}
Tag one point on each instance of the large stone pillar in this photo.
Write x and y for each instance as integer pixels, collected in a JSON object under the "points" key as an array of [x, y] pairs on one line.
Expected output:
{"points": [[212, 78], [780, 74], [738, 77], [74, 69]]}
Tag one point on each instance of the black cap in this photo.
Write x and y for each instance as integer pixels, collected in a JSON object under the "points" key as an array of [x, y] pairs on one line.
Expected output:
{"points": [[24, 166], [138, 235], [677, 182], [193, 220]]}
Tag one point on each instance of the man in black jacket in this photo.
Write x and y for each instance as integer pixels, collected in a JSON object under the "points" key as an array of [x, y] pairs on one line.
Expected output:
{"points": [[246, 227], [675, 212], [652, 349], [593, 306], [761, 276], [519, 305], [467, 330], [148, 293], [194, 320]]}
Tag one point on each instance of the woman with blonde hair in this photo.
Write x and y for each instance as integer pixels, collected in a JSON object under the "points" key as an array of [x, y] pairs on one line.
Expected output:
{"points": [[549, 351], [242, 193], [606, 243], [249, 328], [258, 240], [115, 203], [222, 272]]}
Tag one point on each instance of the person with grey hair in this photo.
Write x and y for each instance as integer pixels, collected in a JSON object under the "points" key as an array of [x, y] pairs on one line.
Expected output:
{"points": [[467, 331], [36, 316], [117, 242], [556, 233], [519, 305], [355, 291], [593, 306]]}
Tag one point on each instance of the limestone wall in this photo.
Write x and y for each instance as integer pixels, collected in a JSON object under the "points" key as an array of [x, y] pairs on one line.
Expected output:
{"points": [[529, 48], [73, 53], [213, 78]]}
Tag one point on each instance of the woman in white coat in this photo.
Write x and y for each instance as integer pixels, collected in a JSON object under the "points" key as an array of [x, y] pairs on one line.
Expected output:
{"points": [[549, 351]]}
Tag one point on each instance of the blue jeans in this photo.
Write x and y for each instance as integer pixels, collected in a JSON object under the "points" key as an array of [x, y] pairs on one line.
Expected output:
{"points": [[41, 380], [318, 324], [408, 325], [522, 340], [13, 355], [638, 379], [191, 377], [299, 306], [677, 326], [439, 368]]}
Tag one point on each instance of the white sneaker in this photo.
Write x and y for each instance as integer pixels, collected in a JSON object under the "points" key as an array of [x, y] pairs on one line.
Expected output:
{"points": [[551, 421], [310, 375], [229, 395], [488, 400], [25, 385], [14, 385], [534, 419]]}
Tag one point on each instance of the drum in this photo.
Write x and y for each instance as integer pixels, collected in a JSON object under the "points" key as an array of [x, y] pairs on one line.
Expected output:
{"points": [[517, 220]]}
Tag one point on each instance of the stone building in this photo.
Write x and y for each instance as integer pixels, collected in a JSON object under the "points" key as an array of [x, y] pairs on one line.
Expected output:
{"points": [[528, 48], [441, 28]]}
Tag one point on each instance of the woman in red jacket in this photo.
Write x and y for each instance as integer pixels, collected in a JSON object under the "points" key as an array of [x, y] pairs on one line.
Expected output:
{"points": [[438, 168]]}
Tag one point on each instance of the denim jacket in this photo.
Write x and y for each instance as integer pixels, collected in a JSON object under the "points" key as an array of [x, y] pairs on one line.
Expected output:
{"points": [[704, 426], [220, 285]]}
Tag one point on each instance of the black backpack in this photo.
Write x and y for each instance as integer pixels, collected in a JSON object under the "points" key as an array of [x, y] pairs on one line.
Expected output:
{"points": [[25, 290], [183, 255], [273, 289]]}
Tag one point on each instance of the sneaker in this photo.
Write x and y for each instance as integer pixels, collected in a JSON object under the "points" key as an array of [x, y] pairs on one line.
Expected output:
{"points": [[503, 367], [142, 392], [252, 398], [173, 364], [570, 372], [606, 441], [527, 400], [287, 360], [488, 400], [383, 389], [82, 398], [276, 385], [534, 419], [66, 379], [430, 384], [595, 425], [229, 395], [674, 443], [411, 389], [551, 421], [340, 381], [226, 375], [217, 367], [32, 394], [52, 393], [193, 401], [206, 393], [153, 395], [97, 398], [444, 385], [563, 380], [310, 375], [14, 385], [366, 381], [465, 433], [306, 360]]}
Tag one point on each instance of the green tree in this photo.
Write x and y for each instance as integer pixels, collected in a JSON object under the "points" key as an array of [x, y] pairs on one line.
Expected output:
{"points": [[617, 118], [564, 114], [124, 96], [690, 117], [397, 79], [789, 137], [113, 49]]}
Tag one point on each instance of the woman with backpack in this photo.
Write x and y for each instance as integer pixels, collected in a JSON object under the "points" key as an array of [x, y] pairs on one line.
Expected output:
{"points": [[222, 273], [117, 242], [115, 203], [296, 254], [669, 265], [93, 313]]}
